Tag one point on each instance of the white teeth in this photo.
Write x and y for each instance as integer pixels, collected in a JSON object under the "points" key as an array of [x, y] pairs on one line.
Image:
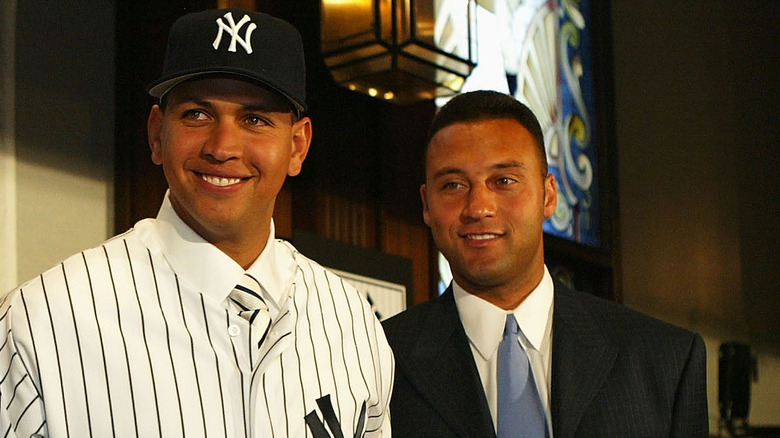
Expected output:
{"points": [[482, 236], [221, 182]]}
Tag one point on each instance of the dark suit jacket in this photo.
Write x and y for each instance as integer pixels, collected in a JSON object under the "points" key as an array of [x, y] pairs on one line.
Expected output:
{"points": [[615, 373]]}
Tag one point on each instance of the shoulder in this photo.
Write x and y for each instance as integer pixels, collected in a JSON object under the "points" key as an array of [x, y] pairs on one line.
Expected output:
{"points": [[411, 317], [314, 280], [337, 303], [72, 273], [407, 326], [621, 325], [314, 273]]}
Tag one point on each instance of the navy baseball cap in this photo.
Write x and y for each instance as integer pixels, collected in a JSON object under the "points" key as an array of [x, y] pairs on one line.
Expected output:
{"points": [[239, 42]]}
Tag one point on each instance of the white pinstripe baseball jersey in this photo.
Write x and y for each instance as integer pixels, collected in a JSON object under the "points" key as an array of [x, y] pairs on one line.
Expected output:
{"points": [[134, 339]]}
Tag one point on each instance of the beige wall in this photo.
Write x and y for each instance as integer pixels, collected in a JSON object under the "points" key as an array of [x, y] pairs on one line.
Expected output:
{"points": [[63, 137], [695, 92]]}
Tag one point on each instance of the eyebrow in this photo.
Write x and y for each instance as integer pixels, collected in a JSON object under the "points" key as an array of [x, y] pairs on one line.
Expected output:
{"points": [[513, 164]]}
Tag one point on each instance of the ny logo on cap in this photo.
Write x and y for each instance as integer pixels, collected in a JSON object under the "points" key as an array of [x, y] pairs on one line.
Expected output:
{"points": [[233, 30]]}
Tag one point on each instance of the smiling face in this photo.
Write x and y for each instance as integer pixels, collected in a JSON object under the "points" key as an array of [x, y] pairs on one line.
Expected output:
{"points": [[226, 147], [485, 200]]}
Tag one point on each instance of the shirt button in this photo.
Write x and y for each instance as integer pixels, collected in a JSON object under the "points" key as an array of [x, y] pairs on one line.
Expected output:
{"points": [[233, 330]]}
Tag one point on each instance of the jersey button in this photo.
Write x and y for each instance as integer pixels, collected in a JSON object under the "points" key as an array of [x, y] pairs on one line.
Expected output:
{"points": [[233, 330]]}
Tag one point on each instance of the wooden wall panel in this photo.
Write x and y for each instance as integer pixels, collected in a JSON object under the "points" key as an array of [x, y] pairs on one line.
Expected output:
{"points": [[346, 219], [283, 213], [413, 241]]}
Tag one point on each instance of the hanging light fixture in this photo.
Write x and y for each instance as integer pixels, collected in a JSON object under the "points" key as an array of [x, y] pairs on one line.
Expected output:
{"points": [[399, 50]]}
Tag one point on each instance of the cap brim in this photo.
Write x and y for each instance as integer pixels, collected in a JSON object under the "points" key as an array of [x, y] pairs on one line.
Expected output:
{"points": [[160, 88]]}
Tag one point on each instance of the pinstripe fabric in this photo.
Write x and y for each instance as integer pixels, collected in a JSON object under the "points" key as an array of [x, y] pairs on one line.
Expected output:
{"points": [[114, 342]]}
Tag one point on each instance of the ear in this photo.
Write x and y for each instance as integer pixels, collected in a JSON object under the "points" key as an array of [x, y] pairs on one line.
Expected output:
{"points": [[301, 140], [424, 198], [154, 130], [550, 195]]}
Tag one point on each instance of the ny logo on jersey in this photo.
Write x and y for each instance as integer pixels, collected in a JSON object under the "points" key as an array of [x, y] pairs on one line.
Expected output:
{"points": [[233, 29], [317, 428]]}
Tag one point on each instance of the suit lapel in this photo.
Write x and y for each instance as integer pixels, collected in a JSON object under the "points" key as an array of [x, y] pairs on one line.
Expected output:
{"points": [[581, 361], [442, 368]]}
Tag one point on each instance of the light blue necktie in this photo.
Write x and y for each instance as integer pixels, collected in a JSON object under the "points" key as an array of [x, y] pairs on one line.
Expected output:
{"points": [[520, 411]]}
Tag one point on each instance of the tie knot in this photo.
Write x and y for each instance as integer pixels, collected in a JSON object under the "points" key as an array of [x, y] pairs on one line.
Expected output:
{"points": [[511, 327], [250, 305], [249, 282], [246, 294]]}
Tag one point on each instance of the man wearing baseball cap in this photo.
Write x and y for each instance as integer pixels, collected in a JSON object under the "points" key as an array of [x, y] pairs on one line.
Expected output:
{"points": [[200, 322]]}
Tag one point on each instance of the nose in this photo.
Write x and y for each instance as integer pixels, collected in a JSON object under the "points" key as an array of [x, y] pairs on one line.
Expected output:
{"points": [[223, 142], [480, 203]]}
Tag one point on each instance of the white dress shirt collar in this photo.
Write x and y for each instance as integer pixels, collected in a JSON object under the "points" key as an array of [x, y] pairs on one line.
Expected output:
{"points": [[207, 269], [484, 322]]}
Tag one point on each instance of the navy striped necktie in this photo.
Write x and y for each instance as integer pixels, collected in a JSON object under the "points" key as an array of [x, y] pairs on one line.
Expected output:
{"points": [[252, 307], [520, 410]]}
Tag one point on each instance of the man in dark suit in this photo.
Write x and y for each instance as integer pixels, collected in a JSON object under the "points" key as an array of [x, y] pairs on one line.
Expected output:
{"points": [[597, 369]]}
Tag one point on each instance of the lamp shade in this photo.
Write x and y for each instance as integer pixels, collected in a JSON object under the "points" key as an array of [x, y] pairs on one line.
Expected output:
{"points": [[399, 50]]}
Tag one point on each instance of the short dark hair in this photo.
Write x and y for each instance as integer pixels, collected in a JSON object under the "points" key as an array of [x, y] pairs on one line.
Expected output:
{"points": [[481, 105]]}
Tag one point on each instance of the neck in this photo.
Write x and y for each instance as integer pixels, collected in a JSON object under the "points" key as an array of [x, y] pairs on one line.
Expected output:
{"points": [[242, 253], [508, 295], [243, 244]]}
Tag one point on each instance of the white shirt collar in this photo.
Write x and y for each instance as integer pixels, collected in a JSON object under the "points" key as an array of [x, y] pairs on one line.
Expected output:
{"points": [[207, 269], [484, 322], [275, 270]]}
